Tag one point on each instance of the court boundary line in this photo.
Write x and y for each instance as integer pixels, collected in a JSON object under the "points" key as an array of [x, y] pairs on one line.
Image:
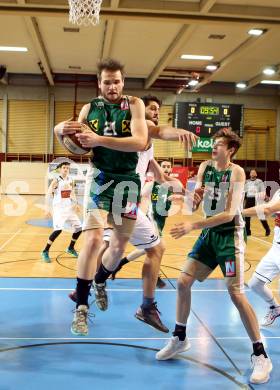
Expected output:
{"points": [[166, 290], [10, 239], [133, 338]]}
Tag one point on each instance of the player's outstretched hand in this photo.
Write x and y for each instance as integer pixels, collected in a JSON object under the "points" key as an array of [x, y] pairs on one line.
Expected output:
{"points": [[186, 138], [180, 229]]}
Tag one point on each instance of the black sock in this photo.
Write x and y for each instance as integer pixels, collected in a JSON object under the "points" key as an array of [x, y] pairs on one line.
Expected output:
{"points": [[180, 331], [83, 289], [259, 349], [123, 261], [102, 274], [51, 239], [75, 237], [47, 248]]}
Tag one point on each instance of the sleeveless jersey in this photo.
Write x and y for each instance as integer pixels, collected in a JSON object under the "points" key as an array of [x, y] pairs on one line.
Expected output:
{"points": [[61, 196], [217, 184], [143, 162], [159, 198], [112, 120]]}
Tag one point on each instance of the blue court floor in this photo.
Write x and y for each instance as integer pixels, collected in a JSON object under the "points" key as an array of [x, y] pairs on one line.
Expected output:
{"points": [[38, 351]]}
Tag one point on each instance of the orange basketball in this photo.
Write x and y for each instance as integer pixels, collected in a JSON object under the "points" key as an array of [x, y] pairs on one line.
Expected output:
{"points": [[71, 143]]}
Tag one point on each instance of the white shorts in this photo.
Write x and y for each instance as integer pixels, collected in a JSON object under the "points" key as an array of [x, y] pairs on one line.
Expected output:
{"points": [[64, 218], [144, 235], [269, 266]]}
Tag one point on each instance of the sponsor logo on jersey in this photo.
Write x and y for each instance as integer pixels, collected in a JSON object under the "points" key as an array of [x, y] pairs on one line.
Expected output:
{"points": [[230, 268], [124, 105], [100, 104], [94, 124], [126, 126]]}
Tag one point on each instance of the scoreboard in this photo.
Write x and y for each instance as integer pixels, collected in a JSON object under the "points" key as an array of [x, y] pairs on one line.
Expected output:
{"points": [[205, 119]]}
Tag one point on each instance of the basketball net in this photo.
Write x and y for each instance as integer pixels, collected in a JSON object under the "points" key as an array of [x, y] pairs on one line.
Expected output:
{"points": [[84, 12]]}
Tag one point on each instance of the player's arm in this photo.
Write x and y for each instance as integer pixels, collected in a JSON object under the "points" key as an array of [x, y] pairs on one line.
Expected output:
{"points": [[161, 177], [235, 197], [139, 133], [71, 127], [146, 194], [169, 133], [261, 210], [49, 196]]}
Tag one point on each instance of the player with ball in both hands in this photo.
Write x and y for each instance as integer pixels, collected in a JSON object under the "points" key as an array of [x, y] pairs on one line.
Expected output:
{"points": [[116, 130]]}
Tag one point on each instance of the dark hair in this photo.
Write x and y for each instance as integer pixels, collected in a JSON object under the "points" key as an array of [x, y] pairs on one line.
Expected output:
{"points": [[165, 160], [62, 163], [233, 140], [150, 98], [109, 64]]}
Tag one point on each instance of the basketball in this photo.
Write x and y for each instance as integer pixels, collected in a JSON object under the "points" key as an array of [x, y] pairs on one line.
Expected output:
{"points": [[71, 143]]}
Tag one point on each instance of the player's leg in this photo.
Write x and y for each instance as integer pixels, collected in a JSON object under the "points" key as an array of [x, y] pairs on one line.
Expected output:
{"points": [[87, 263], [232, 264], [265, 226], [266, 271], [197, 267], [104, 246], [134, 255], [110, 259], [148, 311], [145, 237], [76, 226], [71, 248], [45, 253]]}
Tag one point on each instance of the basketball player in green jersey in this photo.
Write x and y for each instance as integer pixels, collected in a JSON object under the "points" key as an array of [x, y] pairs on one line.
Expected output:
{"points": [[221, 243], [157, 195], [116, 130]]}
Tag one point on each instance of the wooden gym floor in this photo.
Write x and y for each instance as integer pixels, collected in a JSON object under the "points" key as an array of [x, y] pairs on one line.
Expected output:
{"points": [[21, 244]]}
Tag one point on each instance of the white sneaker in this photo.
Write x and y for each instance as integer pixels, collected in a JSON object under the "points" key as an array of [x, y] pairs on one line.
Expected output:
{"points": [[80, 321], [271, 315], [173, 347], [261, 369]]}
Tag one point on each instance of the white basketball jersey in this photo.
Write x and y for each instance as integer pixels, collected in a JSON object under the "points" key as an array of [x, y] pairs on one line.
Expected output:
{"points": [[276, 239], [62, 194], [143, 163]]}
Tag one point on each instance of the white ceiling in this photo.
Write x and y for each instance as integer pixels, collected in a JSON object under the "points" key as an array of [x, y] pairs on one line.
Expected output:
{"points": [[148, 36]]}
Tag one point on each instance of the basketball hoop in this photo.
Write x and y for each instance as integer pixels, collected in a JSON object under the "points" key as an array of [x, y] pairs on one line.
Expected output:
{"points": [[84, 12]]}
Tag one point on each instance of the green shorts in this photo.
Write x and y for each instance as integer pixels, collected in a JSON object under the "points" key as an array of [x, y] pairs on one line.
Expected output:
{"points": [[112, 192], [160, 222], [218, 248]]}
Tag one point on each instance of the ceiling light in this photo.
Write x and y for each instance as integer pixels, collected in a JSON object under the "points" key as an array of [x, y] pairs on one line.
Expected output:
{"points": [[211, 67], [270, 70], [256, 31], [241, 85], [193, 83], [196, 57], [275, 82], [13, 48]]}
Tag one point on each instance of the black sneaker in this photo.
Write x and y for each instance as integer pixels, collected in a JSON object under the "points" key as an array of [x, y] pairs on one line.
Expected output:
{"points": [[160, 283], [151, 317], [267, 233]]}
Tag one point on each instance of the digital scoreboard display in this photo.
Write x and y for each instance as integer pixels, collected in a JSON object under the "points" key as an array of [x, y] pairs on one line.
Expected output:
{"points": [[205, 119]]}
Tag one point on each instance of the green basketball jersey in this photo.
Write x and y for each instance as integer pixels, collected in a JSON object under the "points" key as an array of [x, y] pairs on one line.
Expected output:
{"points": [[159, 198], [112, 120], [217, 184]]}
